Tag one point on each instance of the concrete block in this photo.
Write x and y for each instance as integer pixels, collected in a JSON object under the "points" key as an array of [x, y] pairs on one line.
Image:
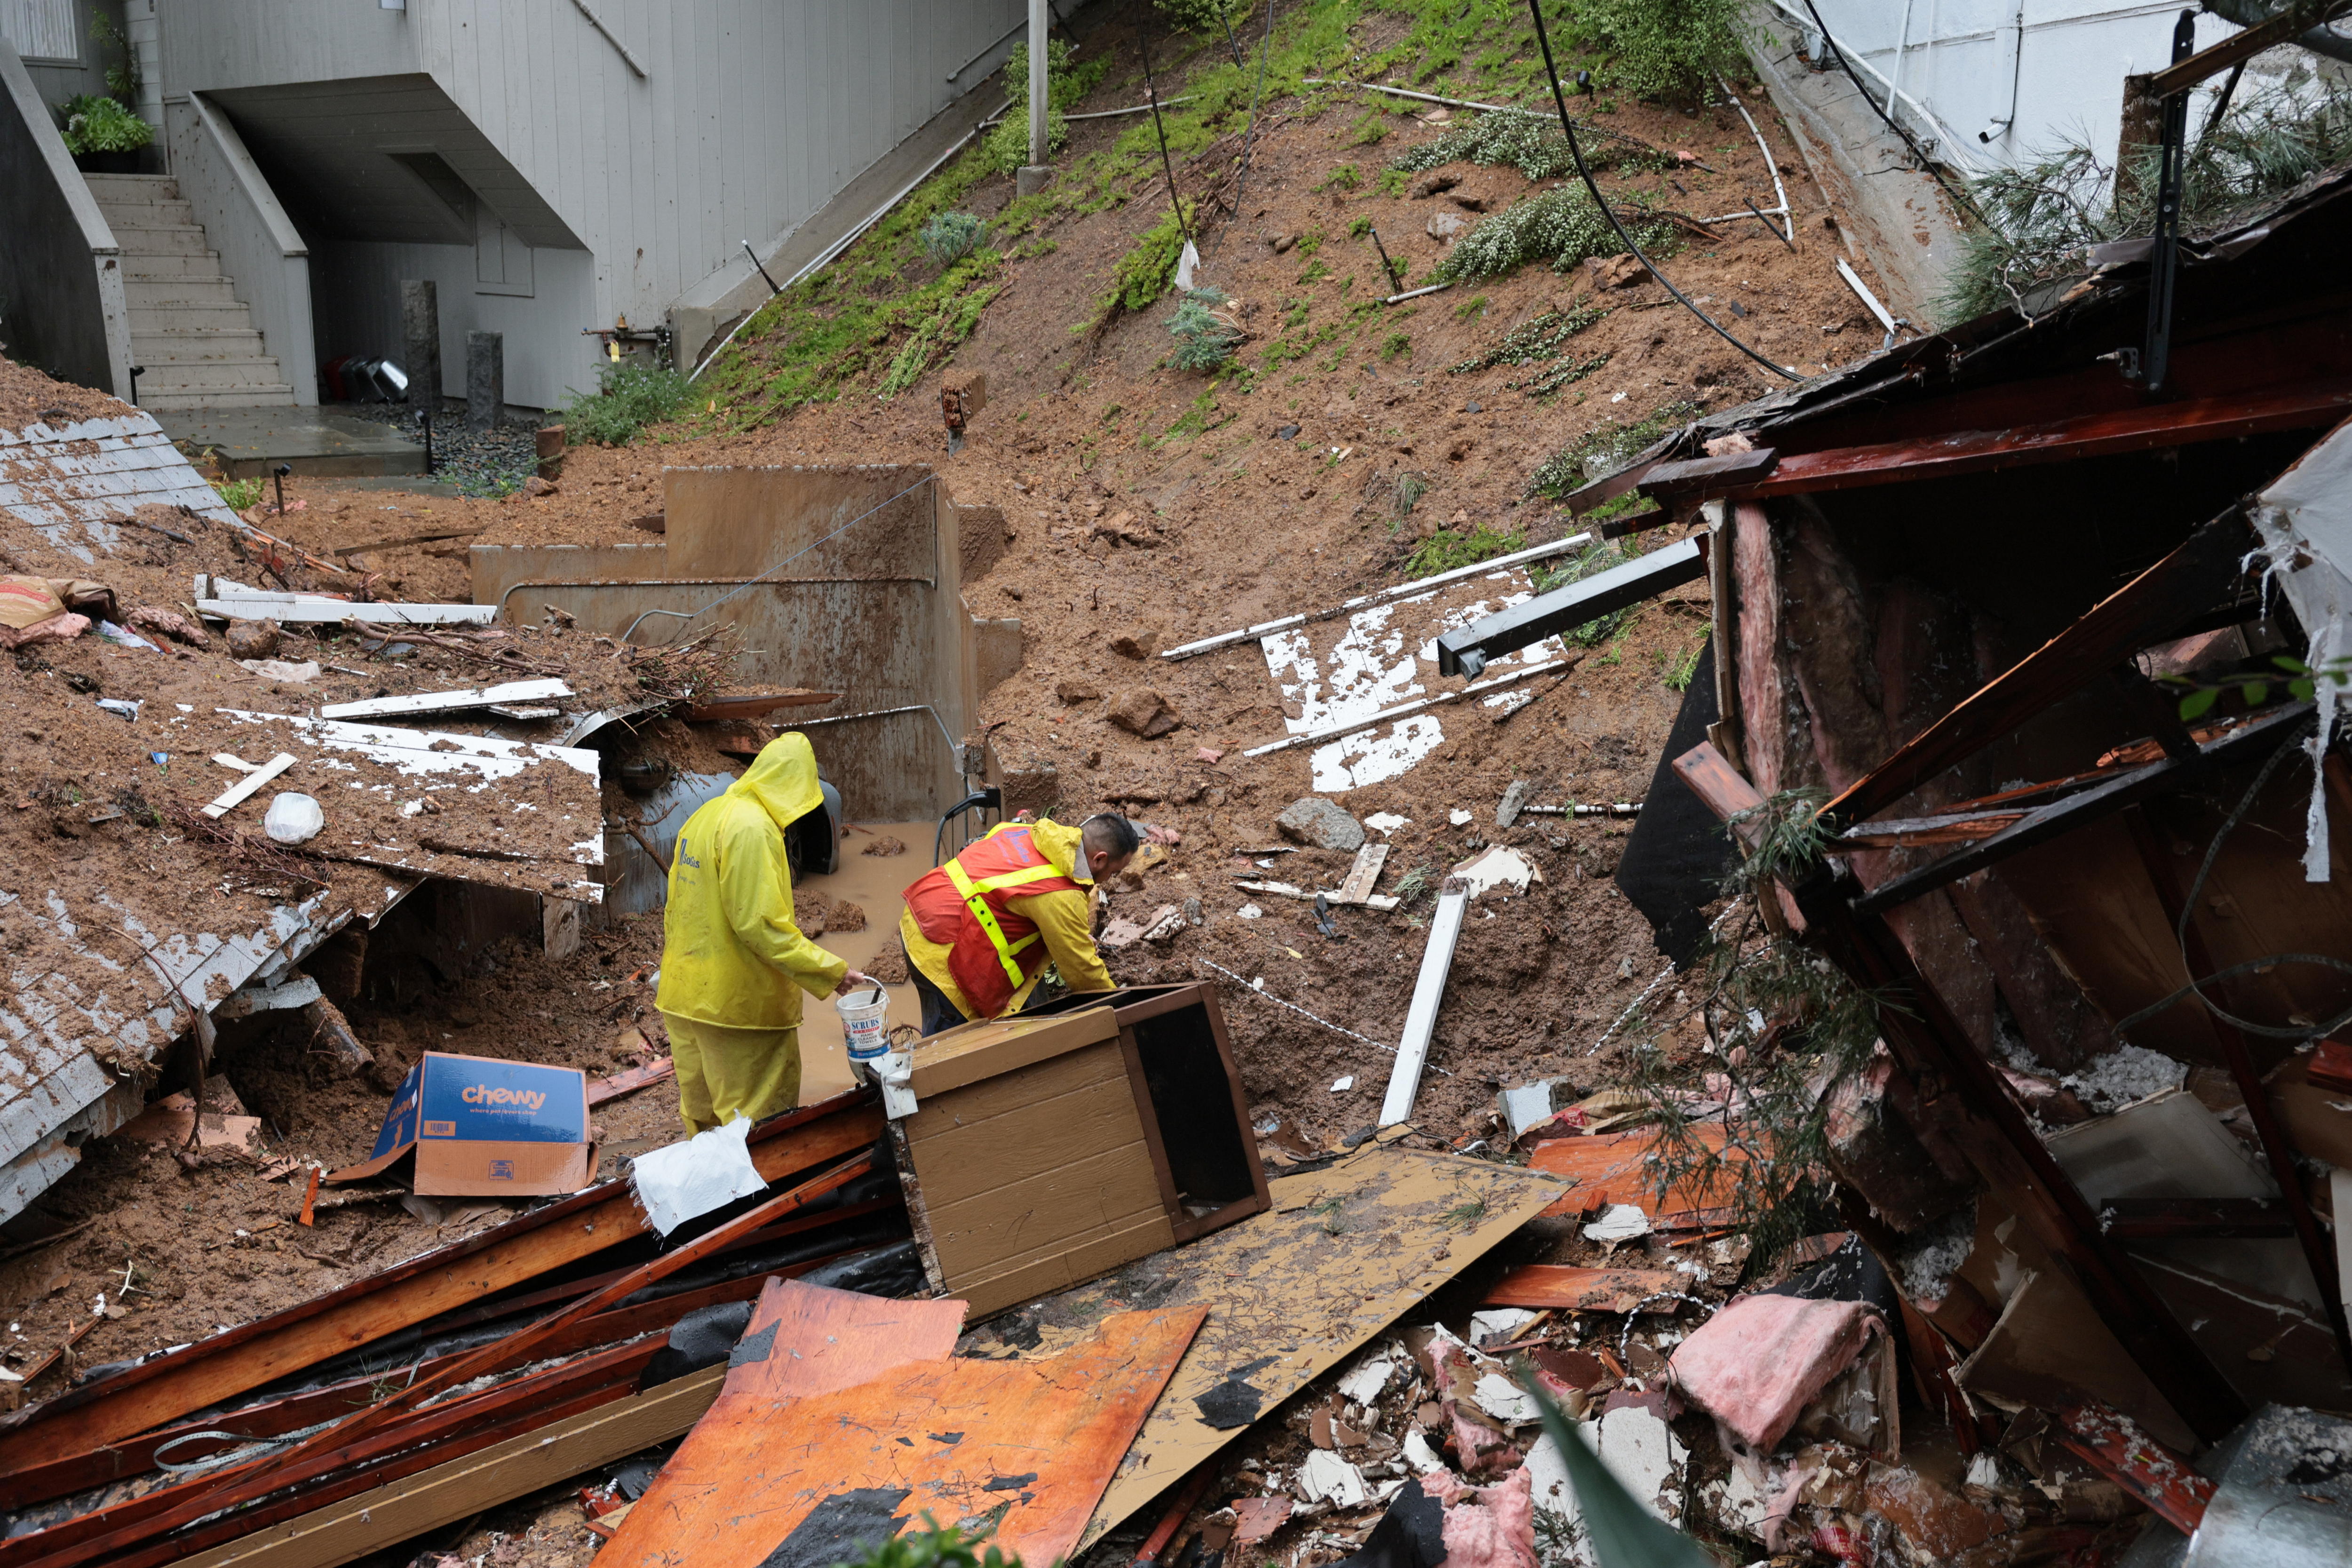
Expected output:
{"points": [[486, 379], [420, 331], [1032, 178]]}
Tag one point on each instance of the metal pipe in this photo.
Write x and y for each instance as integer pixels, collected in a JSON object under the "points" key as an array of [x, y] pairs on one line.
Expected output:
{"points": [[1040, 89], [1902, 42]]}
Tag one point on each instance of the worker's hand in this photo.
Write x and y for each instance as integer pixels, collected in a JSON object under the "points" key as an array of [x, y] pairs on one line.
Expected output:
{"points": [[853, 980]]}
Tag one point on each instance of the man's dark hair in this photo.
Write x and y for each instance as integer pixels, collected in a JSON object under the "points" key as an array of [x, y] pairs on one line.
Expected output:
{"points": [[1112, 832]]}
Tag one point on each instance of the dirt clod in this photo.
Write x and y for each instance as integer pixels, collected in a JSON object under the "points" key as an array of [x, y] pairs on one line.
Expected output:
{"points": [[1145, 712], [1321, 824], [253, 640]]}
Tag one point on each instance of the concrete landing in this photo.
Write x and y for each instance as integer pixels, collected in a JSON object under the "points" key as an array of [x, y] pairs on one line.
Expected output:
{"points": [[249, 442]]}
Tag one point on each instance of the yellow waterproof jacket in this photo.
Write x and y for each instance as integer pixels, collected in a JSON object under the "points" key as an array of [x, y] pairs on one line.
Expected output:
{"points": [[1064, 922], [731, 955]]}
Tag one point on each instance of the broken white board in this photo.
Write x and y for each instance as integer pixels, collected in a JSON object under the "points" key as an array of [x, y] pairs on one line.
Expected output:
{"points": [[313, 609], [420, 703], [1636, 1446], [1382, 657]]}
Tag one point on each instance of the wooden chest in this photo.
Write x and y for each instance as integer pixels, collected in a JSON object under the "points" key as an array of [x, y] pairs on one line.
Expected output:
{"points": [[1058, 1144]]}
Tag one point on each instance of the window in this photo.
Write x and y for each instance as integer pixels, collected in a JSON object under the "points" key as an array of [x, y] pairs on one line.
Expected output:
{"points": [[45, 32]]}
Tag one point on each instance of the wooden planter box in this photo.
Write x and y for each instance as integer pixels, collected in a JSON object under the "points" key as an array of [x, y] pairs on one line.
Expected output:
{"points": [[1058, 1144]]}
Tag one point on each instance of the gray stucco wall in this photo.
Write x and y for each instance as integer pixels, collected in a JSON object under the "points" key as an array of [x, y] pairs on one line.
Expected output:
{"points": [[61, 282]]}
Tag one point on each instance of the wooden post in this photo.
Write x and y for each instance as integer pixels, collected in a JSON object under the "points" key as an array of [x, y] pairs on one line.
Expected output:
{"points": [[2143, 123]]}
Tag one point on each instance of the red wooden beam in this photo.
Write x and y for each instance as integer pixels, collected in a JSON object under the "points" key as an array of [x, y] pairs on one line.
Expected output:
{"points": [[2147, 427], [2111, 1443]]}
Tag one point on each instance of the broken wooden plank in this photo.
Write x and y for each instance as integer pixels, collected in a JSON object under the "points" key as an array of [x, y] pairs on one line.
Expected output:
{"points": [[303, 609], [243, 789], [1357, 887], [2172, 1219], [629, 1082], [2235, 50], [1952, 827], [1035, 1443], [164, 1389], [384, 1516], [1621, 1168], [1373, 720], [1468, 650], [752, 704], [2202, 572], [2063, 816], [1363, 601], [2111, 1443], [417, 702], [2141, 428], [1563, 1288], [404, 542], [1428, 992], [1344, 1252], [1694, 476]]}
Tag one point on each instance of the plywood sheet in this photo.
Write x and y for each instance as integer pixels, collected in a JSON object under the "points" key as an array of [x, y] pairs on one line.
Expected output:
{"points": [[1614, 1168], [1343, 1252], [987, 1047], [1031, 1441]]}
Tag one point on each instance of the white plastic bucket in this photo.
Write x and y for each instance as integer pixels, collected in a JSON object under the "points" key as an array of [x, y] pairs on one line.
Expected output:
{"points": [[865, 1024]]}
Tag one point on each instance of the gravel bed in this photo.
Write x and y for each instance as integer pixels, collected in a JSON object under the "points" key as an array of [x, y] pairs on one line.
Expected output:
{"points": [[483, 463]]}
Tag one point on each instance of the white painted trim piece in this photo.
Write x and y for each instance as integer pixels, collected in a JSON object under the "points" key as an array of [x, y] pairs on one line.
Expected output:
{"points": [[446, 702], [240, 792], [1428, 991], [305, 610], [428, 751], [1403, 710], [1381, 596], [1381, 901]]}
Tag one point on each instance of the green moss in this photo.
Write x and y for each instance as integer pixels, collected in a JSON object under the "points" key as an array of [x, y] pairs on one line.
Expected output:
{"points": [[1445, 551]]}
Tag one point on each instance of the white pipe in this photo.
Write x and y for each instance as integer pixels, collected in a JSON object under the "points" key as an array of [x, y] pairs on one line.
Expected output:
{"points": [[1380, 596], [1902, 42], [1772, 164]]}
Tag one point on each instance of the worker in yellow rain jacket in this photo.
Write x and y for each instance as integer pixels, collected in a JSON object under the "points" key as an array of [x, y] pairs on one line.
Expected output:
{"points": [[980, 929], [733, 964]]}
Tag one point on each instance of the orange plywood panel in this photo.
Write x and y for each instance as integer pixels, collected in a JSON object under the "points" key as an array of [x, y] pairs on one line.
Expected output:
{"points": [[1615, 1168], [1037, 1440], [1564, 1288]]}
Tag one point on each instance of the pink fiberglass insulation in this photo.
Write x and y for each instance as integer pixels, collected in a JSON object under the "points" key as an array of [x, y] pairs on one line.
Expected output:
{"points": [[1759, 1362], [1486, 1527]]}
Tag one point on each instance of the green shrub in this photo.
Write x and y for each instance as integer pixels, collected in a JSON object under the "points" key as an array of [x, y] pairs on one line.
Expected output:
{"points": [[949, 236], [1204, 340], [1562, 226], [1603, 450], [1342, 177], [1541, 343], [1208, 19], [1444, 551], [1590, 562], [1007, 147], [239, 494], [935, 1546], [1148, 267], [629, 396], [95, 124], [1670, 48]]}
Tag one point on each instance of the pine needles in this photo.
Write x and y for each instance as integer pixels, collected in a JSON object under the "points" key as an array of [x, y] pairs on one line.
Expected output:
{"points": [[2045, 216], [1562, 226], [1542, 343], [1785, 1030], [1531, 143]]}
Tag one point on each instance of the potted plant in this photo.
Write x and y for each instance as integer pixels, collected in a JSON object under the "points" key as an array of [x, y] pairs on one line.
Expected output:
{"points": [[104, 137]]}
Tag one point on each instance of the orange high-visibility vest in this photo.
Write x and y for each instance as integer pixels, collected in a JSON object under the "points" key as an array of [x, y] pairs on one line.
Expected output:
{"points": [[966, 905]]}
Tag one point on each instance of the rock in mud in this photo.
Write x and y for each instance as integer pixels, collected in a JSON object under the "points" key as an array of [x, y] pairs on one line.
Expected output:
{"points": [[252, 639], [1145, 712], [1319, 825]]}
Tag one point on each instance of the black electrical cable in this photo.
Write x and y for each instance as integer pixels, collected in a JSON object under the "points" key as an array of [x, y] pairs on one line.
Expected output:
{"points": [[1227, 23], [1568, 127], [1958, 195], [1151, 93]]}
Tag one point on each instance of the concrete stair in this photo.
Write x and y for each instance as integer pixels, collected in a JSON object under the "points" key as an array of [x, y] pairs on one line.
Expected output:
{"points": [[188, 328]]}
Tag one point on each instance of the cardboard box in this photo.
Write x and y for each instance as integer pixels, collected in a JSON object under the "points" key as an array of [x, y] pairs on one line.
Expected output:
{"points": [[483, 1128]]}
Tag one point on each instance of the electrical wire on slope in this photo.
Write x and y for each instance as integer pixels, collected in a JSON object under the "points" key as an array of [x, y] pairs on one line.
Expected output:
{"points": [[1957, 195], [1151, 93], [1568, 128]]}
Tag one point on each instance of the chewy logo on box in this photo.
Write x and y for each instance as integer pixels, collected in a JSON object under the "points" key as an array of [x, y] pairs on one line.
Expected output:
{"points": [[478, 1127]]}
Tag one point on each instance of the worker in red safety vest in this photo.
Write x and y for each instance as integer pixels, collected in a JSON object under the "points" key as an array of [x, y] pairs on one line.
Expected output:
{"points": [[981, 928]]}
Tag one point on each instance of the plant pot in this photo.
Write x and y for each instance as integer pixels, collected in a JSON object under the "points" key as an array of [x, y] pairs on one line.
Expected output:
{"points": [[107, 163]]}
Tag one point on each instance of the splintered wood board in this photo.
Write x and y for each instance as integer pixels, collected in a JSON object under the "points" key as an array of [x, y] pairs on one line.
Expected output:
{"points": [[1343, 1253], [803, 1340], [956, 1438], [1613, 1168], [387, 1515], [1563, 1288]]}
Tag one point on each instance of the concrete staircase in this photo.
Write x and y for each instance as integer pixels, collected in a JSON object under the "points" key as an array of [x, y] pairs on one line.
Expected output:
{"points": [[188, 328]]}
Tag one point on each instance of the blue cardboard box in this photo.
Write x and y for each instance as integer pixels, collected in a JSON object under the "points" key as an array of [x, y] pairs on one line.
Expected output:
{"points": [[480, 1127]]}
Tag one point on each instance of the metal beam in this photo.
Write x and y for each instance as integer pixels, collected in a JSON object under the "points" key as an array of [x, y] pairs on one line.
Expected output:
{"points": [[1465, 652]]}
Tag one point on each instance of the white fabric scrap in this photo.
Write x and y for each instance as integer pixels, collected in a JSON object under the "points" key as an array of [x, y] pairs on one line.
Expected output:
{"points": [[2304, 521], [679, 1181]]}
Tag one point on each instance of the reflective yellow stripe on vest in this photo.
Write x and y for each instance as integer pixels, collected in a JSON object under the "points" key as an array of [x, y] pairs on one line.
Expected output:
{"points": [[971, 891]]}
